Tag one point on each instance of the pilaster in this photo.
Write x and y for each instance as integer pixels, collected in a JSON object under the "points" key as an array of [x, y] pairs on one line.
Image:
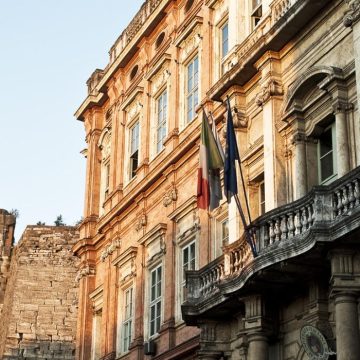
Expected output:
{"points": [[270, 99], [257, 327], [345, 290], [300, 172], [351, 19]]}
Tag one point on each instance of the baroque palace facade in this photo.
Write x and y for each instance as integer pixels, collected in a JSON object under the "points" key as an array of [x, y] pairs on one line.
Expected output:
{"points": [[161, 279]]}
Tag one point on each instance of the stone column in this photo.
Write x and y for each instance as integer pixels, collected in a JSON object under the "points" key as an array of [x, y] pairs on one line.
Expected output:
{"points": [[342, 143], [351, 19], [347, 326], [345, 290], [258, 347], [257, 328], [300, 173], [270, 99], [236, 22]]}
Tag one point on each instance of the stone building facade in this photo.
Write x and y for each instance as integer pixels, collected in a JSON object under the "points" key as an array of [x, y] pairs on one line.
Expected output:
{"points": [[39, 314], [7, 228], [162, 279]]}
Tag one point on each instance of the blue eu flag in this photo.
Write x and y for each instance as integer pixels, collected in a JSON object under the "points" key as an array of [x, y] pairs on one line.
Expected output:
{"points": [[231, 154]]}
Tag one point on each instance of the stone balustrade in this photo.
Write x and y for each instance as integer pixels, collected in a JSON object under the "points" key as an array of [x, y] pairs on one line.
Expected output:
{"points": [[292, 226], [279, 8], [146, 10]]}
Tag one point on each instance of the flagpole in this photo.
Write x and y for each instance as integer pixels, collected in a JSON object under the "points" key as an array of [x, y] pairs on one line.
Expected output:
{"points": [[249, 238], [242, 180]]}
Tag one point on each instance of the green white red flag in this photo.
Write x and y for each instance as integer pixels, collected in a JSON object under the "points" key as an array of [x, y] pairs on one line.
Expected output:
{"points": [[210, 164]]}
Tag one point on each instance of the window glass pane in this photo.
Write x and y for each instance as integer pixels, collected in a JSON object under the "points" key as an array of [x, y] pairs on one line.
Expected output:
{"points": [[192, 88], [225, 40], [326, 143], [326, 155], [327, 167], [225, 230]]}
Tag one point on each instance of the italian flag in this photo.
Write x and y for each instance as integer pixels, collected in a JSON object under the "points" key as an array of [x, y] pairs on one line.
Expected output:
{"points": [[210, 163]]}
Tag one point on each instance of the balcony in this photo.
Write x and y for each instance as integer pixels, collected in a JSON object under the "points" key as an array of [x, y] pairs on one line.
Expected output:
{"points": [[305, 230]]}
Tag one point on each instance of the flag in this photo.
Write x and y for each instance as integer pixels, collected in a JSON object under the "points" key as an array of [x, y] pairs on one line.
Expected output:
{"points": [[217, 138], [231, 154], [210, 163], [214, 175], [230, 179]]}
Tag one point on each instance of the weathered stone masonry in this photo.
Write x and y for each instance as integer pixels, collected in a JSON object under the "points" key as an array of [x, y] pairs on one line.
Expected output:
{"points": [[7, 226], [38, 320]]}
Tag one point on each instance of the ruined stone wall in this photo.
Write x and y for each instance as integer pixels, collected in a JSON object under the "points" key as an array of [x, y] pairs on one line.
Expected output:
{"points": [[40, 304], [7, 227]]}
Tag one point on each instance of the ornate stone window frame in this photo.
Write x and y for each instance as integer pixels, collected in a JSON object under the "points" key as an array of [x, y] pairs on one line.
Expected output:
{"points": [[190, 44], [159, 78], [188, 226], [133, 108], [126, 264], [221, 17], [96, 298], [104, 145], [218, 217], [312, 102]]}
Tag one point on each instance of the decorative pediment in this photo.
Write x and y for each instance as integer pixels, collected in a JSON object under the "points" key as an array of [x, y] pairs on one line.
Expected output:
{"points": [[160, 78], [154, 242], [133, 104], [96, 298], [126, 262], [190, 39]]}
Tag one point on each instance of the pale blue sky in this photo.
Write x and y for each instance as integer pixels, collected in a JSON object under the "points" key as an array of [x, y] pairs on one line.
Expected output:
{"points": [[48, 49]]}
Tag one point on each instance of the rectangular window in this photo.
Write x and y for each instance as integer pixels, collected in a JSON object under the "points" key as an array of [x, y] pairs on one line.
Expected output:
{"points": [[256, 12], [161, 108], [192, 97], [326, 155], [225, 232], [155, 300], [107, 180], [127, 320], [224, 43], [188, 262], [134, 149]]}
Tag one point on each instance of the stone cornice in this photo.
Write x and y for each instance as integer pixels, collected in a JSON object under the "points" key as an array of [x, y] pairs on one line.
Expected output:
{"points": [[123, 50], [353, 14]]}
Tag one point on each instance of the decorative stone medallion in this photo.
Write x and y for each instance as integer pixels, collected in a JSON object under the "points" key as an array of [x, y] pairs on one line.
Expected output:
{"points": [[314, 343]]}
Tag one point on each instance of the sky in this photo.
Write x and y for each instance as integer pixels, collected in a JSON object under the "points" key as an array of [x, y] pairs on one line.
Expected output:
{"points": [[48, 50]]}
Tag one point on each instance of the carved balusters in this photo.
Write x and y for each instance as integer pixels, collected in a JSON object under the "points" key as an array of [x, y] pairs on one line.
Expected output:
{"points": [[291, 225], [298, 222], [356, 192], [271, 232], [277, 229], [284, 228], [351, 196], [339, 206], [266, 236], [345, 199], [310, 212]]}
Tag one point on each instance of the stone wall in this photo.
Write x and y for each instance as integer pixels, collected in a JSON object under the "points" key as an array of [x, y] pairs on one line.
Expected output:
{"points": [[7, 227], [40, 304]]}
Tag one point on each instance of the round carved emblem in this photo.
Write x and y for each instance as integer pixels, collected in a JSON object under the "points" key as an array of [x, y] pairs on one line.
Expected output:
{"points": [[314, 343]]}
